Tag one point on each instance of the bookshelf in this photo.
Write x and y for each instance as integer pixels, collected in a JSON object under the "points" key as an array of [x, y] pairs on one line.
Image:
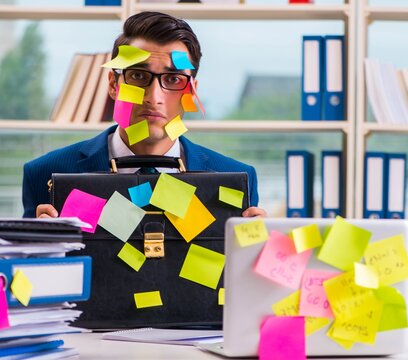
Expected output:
{"points": [[366, 15], [344, 12]]}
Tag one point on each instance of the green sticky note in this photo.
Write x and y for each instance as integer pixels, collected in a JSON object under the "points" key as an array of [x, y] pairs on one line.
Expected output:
{"points": [[21, 287], [131, 94], [148, 299], [345, 244], [137, 132], [132, 256], [120, 216], [251, 232], [231, 196], [127, 56], [172, 195], [306, 237], [394, 313], [203, 266]]}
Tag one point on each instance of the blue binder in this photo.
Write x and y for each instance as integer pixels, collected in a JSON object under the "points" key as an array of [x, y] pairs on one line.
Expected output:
{"points": [[54, 280], [312, 77], [375, 185], [332, 184], [334, 78], [396, 168], [299, 183]]}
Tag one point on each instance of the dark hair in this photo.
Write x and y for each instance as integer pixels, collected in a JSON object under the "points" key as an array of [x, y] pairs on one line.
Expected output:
{"points": [[162, 29]]}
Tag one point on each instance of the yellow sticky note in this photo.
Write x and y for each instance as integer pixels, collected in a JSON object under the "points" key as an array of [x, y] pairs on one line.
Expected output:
{"points": [[148, 299], [203, 266], [187, 101], [389, 258], [172, 195], [132, 256], [231, 196], [306, 237], [251, 233], [221, 296], [366, 276], [175, 128], [344, 343], [345, 244], [137, 132], [130, 93], [127, 56], [394, 313], [194, 222], [21, 287]]}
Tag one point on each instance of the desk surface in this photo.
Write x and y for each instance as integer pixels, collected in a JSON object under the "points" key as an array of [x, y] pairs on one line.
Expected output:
{"points": [[91, 346]]}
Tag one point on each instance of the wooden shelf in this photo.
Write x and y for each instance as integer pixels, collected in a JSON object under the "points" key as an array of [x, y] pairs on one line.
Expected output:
{"points": [[369, 128], [387, 13]]}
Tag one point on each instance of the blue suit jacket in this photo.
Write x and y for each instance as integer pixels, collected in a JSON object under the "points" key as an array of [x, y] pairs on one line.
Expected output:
{"points": [[93, 155]]}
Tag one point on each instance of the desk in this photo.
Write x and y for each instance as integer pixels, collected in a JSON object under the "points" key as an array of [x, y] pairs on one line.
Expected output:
{"points": [[91, 346]]}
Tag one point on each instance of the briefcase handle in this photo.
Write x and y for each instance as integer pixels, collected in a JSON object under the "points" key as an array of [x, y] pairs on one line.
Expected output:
{"points": [[137, 161]]}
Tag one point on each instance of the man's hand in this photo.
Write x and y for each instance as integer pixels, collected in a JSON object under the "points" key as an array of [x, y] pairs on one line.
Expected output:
{"points": [[46, 211], [254, 211]]}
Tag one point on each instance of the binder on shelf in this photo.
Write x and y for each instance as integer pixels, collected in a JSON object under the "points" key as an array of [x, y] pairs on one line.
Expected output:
{"points": [[54, 280], [334, 78], [396, 186], [299, 181], [375, 185], [332, 184], [312, 79]]}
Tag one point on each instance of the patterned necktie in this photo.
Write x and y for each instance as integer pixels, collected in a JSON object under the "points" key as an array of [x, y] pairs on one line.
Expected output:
{"points": [[147, 170]]}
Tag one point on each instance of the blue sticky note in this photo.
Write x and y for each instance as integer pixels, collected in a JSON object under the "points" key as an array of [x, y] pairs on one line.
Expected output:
{"points": [[181, 61], [141, 194]]}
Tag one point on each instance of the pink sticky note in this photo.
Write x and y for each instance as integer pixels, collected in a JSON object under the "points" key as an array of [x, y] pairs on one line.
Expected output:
{"points": [[282, 338], [279, 261], [313, 299], [4, 321], [85, 206], [122, 112]]}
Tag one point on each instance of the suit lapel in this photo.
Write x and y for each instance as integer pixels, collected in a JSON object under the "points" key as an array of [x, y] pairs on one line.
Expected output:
{"points": [[196, 159]]}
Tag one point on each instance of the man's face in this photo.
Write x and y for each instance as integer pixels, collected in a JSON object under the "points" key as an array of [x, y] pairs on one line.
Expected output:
{"points": [[160, 106]]}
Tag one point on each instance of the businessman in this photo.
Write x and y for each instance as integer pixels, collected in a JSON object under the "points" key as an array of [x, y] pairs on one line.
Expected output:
{"points": [[164, 85]]}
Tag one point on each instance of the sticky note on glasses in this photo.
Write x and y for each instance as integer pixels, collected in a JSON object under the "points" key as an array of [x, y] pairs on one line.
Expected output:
{"points": [[181, 61], [231, 196], [187, 101], [127, 56], [131, 94], [148, 299], [175, 128], [21, 287], [137, 132]]}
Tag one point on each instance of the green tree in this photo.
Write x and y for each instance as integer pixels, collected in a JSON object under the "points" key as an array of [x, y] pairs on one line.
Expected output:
{"points": [[22, 94]]}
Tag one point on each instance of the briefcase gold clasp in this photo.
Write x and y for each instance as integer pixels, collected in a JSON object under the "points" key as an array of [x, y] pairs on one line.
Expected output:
{"points": [[154, 245]]}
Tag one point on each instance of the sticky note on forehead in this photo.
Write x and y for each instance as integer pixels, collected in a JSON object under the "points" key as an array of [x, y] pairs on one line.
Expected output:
{"points": [[127, 56], [181, 61]]}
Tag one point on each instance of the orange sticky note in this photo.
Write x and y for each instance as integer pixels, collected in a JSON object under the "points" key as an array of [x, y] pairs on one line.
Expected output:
{"points": [[175, 128], [131, 94], [21, 287], [187, 101]]}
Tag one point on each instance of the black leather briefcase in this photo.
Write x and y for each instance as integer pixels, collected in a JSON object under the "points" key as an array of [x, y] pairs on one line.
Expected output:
{"points": [[185, 303]]}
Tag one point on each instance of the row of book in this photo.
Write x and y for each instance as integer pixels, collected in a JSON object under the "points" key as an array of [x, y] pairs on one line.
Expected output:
{"points": [[387, 91], [84, 96], [323, 78], [38, 283]]}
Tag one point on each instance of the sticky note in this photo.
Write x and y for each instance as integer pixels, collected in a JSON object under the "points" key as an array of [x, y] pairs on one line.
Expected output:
{"points": [[172, 194], [221, 296], [196, 97], [203, 266], [347, 344], [131, 94], [132, 256], [141, 194], [279, 261], [181, 61], [137, 132], [313, 299], [389, 258], [250, 233], [21, 287], [345, 244], [231, 196], [306, 237], [282, 338], [175, 128], [120, 216], [122, 112], [4, 320], [127, 56], [187, 102], [197, 219], [148, 299], [85, 206], [394, 311], [366, 276]]}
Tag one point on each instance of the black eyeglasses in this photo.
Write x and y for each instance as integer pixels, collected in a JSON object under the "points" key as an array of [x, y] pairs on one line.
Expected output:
{"points": [[144, 78]]}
